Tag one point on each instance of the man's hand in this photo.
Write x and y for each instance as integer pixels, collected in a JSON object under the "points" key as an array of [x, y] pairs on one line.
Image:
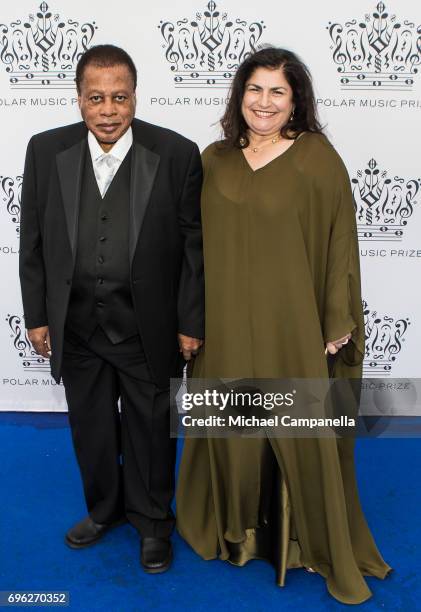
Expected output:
{"points": [[333, 347], [189, 346], [40, 339]]}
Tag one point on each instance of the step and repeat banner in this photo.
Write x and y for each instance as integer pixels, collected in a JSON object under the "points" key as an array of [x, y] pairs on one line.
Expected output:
{"points": [[365, 58]]}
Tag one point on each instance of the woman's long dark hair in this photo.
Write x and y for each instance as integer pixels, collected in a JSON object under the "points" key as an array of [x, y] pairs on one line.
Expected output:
{"points": [[298, 76]]}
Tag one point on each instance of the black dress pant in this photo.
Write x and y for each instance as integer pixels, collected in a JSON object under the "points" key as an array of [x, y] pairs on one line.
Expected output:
{"points": [[126, 462]]}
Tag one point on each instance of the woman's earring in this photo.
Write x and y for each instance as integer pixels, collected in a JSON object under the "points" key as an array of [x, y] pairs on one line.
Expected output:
{"points": [[292, 115], [242, 141]]}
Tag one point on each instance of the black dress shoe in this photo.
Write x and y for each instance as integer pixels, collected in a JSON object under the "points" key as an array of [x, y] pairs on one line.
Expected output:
{"points": [[87, 532], [156, 554]]}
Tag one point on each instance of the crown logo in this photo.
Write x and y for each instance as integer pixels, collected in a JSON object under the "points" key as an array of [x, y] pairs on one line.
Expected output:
{"points": [[384, 337], [378, 52], [382, 205], [10, 195], [42, 53], [31, 362], [206, 52]]}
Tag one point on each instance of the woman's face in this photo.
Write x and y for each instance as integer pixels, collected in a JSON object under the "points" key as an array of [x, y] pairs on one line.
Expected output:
{"points": [[267, 102]]}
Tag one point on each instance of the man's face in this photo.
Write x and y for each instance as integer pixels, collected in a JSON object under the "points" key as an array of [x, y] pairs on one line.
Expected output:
{"points": [[107, 102]]}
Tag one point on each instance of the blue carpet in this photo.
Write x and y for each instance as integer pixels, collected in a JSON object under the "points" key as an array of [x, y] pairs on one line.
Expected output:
{"points": [[42, 497]]}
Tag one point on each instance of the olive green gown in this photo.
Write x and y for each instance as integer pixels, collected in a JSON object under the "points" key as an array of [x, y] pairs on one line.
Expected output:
{"points": [[282, 278]]}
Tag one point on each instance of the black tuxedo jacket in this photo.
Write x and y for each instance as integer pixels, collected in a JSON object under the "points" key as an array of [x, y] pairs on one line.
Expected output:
{"points": [[165, 243]]}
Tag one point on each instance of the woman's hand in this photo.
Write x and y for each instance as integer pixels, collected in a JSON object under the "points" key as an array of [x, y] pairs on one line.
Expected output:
{"points": [[333, 347]]}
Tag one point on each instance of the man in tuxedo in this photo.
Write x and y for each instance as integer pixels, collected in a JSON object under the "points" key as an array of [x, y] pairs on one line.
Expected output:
{"points": [[112, 283]]}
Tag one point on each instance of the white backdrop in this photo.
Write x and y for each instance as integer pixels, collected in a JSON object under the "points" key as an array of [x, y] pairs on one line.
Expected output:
{"points": [[365, 59]]}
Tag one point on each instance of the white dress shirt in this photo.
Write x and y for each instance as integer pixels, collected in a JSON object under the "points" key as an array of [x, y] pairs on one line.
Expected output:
{"points": [[106, 164]]}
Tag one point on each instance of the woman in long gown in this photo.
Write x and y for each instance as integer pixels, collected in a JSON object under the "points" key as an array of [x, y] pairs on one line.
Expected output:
{"points": [[282, 286]]}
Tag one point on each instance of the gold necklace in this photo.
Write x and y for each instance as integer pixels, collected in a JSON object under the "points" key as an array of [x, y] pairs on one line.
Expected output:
{"points": [[274, 140]]}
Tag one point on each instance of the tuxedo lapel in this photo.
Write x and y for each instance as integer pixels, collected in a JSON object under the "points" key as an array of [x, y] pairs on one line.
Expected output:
{"points": [[70, 163], [143, 172]]}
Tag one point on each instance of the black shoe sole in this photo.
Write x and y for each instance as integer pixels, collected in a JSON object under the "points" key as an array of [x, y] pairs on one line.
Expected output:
{"points": [[160, 569], [75, 545]]}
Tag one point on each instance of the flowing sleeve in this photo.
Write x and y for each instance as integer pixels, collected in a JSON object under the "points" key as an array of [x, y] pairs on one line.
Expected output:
{"points": [[343, 305]]}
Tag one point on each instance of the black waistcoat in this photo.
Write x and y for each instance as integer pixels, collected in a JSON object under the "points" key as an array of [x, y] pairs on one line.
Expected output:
{"points": [[101, 281]]}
